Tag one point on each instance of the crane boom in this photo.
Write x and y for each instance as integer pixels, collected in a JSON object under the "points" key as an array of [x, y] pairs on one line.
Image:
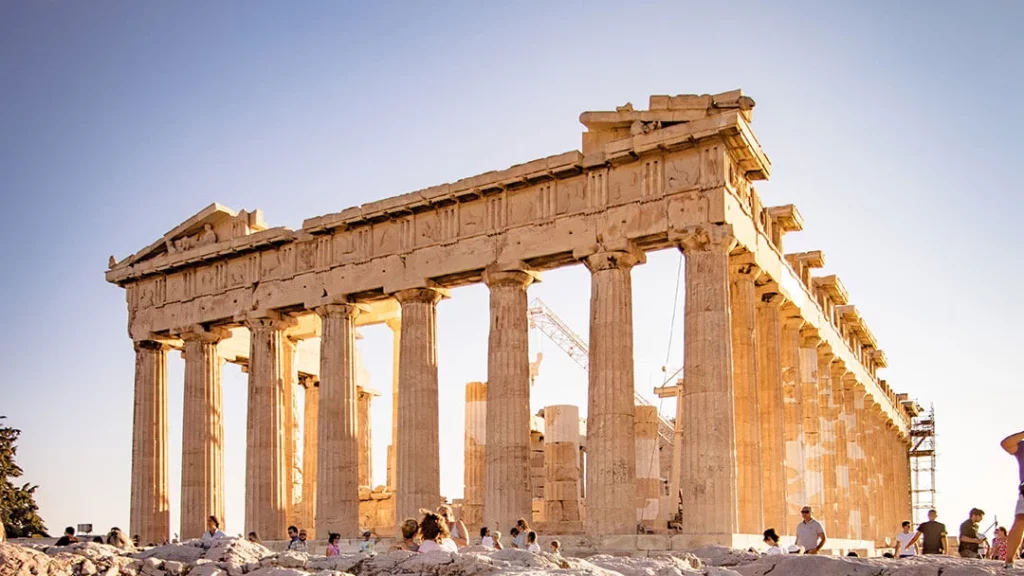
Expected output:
{"points": [[544, 319]]}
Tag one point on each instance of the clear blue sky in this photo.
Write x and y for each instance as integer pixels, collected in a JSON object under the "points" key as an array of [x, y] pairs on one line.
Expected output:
{"points": [[894, 127]]}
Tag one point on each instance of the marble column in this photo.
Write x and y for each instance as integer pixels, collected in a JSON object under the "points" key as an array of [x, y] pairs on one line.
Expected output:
{"points": [[474, 473], [611, 459], [874, 509], [396, 346], [150, 515], [708, 474], [293, 478], [853, 401], [746, 400], [266, 468], [648, 465], [310, 433], [562, 468], [826, 437], [337, 486], [841, 457], [507, 495], [814, 487], [793, 429], [202, 443], [890, 487], [364, 427], [772, 409], [418, 474]]}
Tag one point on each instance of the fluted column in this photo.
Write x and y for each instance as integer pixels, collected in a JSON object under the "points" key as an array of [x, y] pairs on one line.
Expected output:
{"points": [[746, 401], [853, 401], [814, 488], [396, 346], [418, 468], [202, 443], [708, 473], [150, 507], [562, 468], [474, 473], [337, 486], [793, 429], [611, 460], [843, 498], [890, 487], [648, 465], [507, 495], [291, 429], [310, 433], [266, 467], [772, 409], [874, 507], [364, 427], [826, 436]]}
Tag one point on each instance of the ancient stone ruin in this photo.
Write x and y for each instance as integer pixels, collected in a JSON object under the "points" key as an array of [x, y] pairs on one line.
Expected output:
{"points": [[780, 404]]}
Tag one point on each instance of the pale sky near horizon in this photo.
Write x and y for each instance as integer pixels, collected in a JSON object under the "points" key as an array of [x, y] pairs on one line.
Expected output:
{"points": [[893, 127]]}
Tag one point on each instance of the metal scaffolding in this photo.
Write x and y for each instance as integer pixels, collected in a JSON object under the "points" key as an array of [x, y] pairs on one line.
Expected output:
{"points": [[922, 464]]}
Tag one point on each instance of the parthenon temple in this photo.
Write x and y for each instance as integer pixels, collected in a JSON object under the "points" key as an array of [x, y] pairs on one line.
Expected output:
{"points": [[780, 404]]}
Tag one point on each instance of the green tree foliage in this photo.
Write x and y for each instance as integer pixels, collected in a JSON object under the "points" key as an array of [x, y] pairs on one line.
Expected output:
{"points": [[18, 509]]}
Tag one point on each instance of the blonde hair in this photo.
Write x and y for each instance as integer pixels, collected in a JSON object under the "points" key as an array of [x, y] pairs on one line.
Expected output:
{"points": [[409, 528]]}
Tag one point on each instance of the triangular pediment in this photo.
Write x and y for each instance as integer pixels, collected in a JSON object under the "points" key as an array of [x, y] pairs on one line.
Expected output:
{"points": [[213, 224]]}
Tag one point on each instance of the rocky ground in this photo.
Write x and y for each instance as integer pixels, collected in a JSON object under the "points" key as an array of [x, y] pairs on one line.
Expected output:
{"points": [[234, 557]]}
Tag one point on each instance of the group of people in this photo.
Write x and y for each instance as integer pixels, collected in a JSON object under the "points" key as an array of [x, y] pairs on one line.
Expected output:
{"points": [[441, 531], [930, 536], [115, 537]]}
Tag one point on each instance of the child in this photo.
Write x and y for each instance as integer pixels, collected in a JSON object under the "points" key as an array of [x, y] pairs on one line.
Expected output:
{"points": [[514, 533], [366, 545], [497, 540], [556, 547], [531, 542], [485, 538]]}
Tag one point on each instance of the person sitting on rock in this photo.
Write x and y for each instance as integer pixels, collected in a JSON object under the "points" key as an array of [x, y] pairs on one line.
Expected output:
{"points": [[434, 531], [97, 539], [68, 538], [514, 533], [332, 544], [771, 538], [459, 533], [520, 538], [119, 540], [556, 547], [296, 542], [497, 540], [212, 529], [254, 538], [410, 528], [366, 546], [531, 542], [485, 538]]}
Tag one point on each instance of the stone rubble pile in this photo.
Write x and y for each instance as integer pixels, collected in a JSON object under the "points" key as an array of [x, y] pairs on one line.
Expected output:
{"points": [[236, 557]]}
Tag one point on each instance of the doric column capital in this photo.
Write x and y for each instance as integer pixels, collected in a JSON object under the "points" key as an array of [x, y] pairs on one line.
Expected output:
{"points": [[499, 276], [266, 320], [825, 355], [614, 259], [839, 369], [718, 237], [197, 333], [809, 337], [308, 382], [743, 266], [151, 345], [425, 295], [341, 310]]}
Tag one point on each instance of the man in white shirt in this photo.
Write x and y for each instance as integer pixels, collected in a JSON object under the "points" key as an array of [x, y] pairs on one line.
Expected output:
{"points": [[809, 534], [212, 529], [906, 545]]}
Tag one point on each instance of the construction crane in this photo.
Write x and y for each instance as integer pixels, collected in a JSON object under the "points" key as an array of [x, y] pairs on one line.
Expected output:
{"points": [[544, 319]]}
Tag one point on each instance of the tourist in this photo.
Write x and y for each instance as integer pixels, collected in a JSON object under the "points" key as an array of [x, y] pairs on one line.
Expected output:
{"points": [[459, 533], [771, 538], [514, 533], [332, 544], [68, 538], [119, 540], [556, 547], [1014, 445], [254, 538], [970, 540], [933, 533], [212, 529], [410, 528], [852, 554], [809, 534], [485, 538], [497, 541], [97, 539], [434, 531], [520, 538], [366, 545], [998, 549], [906, 545], [531, 542], [296, 543]]}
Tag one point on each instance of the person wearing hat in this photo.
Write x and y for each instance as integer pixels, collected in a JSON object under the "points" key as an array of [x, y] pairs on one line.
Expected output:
{"points": [[809, 534], [772, 540], [366, 546]]}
